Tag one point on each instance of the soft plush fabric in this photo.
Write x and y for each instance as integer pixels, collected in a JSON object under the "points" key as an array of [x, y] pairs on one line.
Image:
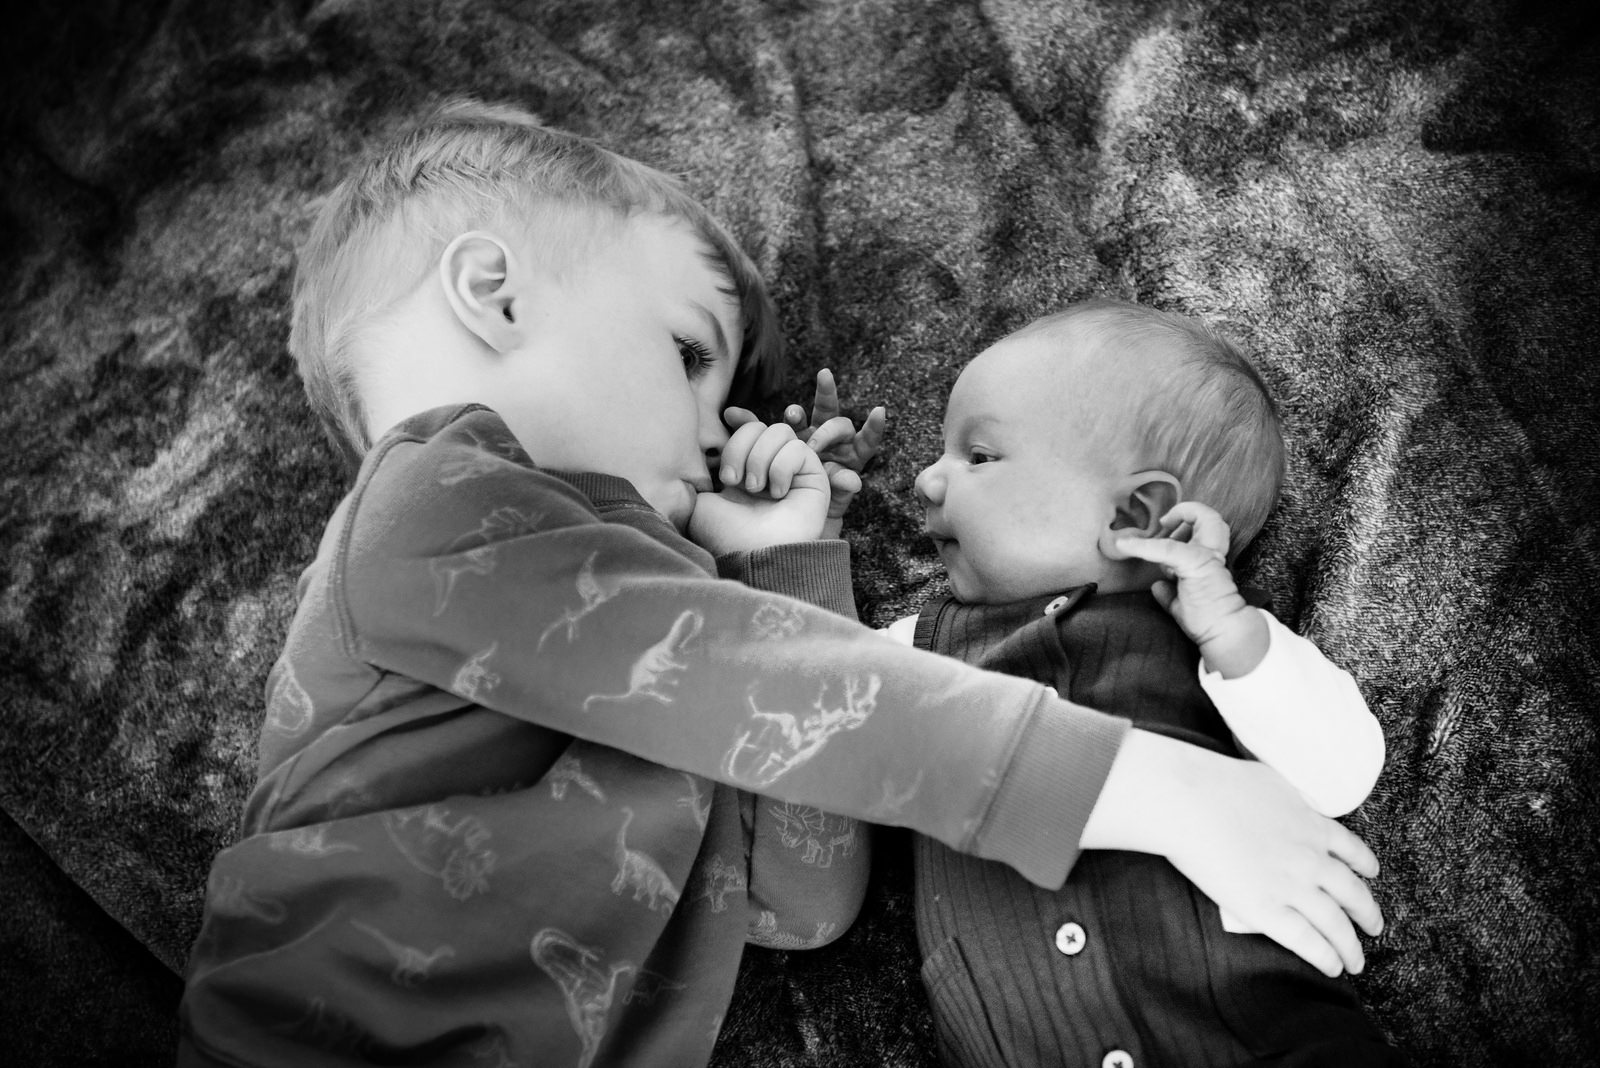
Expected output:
{"points": [[1394, 204]]}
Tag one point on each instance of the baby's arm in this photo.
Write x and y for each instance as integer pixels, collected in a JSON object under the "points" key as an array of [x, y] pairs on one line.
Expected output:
{"points": [[1326, 741]]}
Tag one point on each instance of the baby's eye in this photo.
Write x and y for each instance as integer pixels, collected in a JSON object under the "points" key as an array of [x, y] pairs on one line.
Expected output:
{"points": [[978, 456], [696, 357]]}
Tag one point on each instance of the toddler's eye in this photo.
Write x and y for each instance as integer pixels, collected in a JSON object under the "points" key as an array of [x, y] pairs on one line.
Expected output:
{"points": [[696, 357], [978, 456]]}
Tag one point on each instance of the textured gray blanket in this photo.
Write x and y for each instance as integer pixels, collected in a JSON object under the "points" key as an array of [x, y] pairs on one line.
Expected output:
{"points": [[1394, 204]]}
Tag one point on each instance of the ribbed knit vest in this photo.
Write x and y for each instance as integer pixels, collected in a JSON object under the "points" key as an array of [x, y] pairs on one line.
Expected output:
{"points": [[1127, 965]]}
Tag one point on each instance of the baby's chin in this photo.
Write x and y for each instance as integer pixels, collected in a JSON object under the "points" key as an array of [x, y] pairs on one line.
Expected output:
{"points": [[973, 589]]}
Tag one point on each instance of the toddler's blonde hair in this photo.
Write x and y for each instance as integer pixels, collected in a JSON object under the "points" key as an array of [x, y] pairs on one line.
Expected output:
{"points": [[468, 165]]}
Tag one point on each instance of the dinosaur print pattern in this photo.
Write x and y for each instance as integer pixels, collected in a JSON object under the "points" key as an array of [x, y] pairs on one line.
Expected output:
{"points": [[655, 674], [486, 457], [637, 870], [447, 569], [568, 771], [309, 841], [894, 800], [721, 879], [588, 986], [326, 1028], [231, 895], [779, 742], [775, 621], [767, 934], [453, 851], [591, 592], [648, 986], [289, 708], [412, 965], [697, 802], [819, 834], [474, 680]]}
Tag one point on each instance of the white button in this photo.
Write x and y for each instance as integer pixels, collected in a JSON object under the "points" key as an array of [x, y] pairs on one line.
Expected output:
{"points": [[1117, 1058], [1070, 939], [1054, 606]]}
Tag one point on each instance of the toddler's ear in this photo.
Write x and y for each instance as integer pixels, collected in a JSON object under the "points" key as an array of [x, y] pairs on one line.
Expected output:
{"points": [[476, 272], [1142, 499]]}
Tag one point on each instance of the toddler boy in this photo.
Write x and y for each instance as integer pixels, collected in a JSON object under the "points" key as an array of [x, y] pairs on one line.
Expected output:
{"points": [[502, 813], [1076, 454]]}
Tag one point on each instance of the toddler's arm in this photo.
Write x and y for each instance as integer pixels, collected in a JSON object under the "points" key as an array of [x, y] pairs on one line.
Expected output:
{"points": [[1287, 705], [808, 867]]}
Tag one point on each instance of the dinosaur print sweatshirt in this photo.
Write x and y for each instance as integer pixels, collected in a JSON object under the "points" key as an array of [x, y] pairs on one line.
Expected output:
{"points": [[531, 774]]}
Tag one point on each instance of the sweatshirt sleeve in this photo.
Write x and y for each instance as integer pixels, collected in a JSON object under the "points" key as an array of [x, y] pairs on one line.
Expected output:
{"points": [[808, 867], [461, 566], [1305, 717]]}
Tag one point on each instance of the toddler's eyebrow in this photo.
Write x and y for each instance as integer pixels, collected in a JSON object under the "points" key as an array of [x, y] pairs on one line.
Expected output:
{"points": [[715, 326]]}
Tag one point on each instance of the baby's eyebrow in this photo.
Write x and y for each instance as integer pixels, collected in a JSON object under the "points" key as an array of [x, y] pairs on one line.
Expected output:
{"points": [[715, 324]]}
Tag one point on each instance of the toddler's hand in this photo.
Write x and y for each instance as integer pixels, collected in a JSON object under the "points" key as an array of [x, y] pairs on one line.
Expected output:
{"points": [[845, 451], [1261, 853], [774, 490], [1243, 834], [1199, 590]]}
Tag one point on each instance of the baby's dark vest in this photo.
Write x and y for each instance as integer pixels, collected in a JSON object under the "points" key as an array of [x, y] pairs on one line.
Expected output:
{"points": [[1127, 965]]}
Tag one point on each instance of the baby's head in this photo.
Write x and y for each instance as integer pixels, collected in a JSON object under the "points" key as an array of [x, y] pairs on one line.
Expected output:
{"points": [[480, 256], [1087, 425]]}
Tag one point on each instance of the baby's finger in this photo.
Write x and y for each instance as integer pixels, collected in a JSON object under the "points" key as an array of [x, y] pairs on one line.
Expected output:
{"points": [[1165, 593], [835, 432], [763, 452], [1206, 526], [842, 481], [825, 403], [869, 442], [1185, 558], [795, 416], [738, 417]]}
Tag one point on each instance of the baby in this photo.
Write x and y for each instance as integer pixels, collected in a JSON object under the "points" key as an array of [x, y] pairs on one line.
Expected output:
{"points": [[1092, 459]]}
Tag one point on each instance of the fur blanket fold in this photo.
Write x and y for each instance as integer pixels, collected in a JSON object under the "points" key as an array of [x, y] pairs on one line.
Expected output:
{"points": [[1395, 206]]}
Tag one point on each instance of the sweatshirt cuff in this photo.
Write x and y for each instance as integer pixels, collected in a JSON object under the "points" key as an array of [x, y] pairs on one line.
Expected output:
{"points": [[1062, 758], [817, 572]]}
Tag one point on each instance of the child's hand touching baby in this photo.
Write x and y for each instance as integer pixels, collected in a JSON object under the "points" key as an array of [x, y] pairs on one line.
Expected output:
{"points": [[845, 451], [1199, 591], [774, 490]]}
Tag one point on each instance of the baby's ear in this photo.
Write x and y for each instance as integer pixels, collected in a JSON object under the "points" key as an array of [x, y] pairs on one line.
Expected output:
{"points": [[477, 272], [1142, 499]]}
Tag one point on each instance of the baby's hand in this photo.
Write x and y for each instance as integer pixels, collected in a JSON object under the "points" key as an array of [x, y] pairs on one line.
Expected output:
{"points": [[845, 451], [774, 490], [1199, 590]]}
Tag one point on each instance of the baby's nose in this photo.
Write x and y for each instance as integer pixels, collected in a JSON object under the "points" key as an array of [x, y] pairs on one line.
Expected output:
{"points": [[929, 486]]}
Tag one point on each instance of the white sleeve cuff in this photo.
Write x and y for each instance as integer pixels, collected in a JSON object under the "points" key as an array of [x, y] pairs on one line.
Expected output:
{"points": [[1303, 716], [903, 630]]}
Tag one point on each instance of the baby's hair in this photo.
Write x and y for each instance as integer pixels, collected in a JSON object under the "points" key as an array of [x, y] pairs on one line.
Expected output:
{"points": [[466, 165], [1206, 417]]}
